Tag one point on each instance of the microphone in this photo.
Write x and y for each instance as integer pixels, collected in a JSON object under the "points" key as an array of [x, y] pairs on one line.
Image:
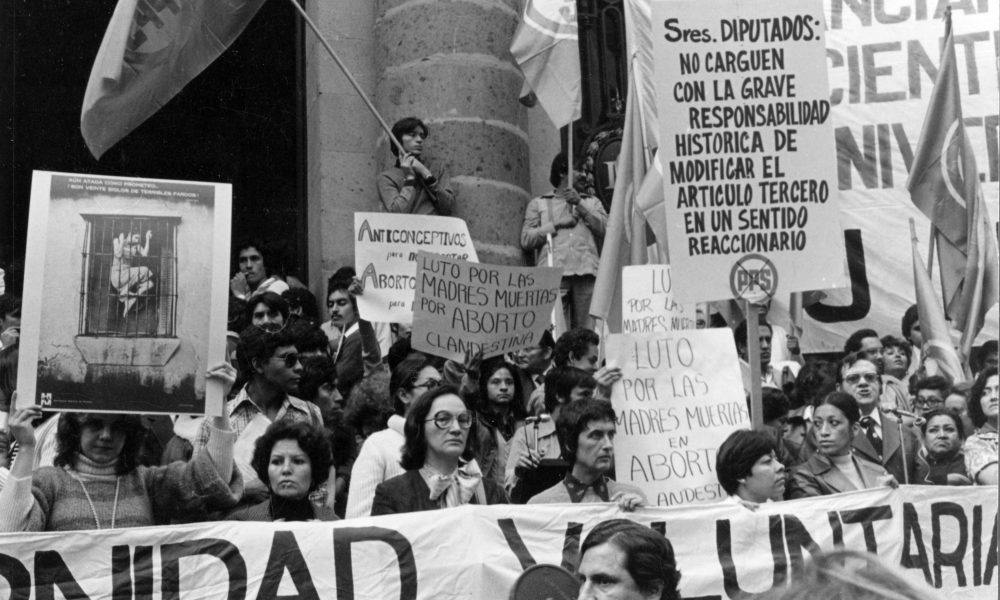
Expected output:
{"points": [[917, 419], [542, 418]]}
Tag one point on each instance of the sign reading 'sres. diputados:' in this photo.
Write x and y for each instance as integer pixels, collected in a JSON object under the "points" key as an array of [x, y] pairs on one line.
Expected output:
{"points": [[749, 159]]}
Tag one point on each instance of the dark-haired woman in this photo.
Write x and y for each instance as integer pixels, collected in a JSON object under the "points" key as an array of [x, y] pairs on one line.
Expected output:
{"points": [[940, 460], [97, 482], [499, 412], [835, 468], [410, 186], [378, 459], [981, 447], [293, 460], [437, 456]]}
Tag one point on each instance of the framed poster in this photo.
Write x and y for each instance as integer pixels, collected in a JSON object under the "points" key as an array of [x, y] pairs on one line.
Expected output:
{"points": [[125, 294]]}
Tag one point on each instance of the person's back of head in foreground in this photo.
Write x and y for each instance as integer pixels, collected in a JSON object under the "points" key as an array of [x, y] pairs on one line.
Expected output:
{"points": [[848, 574], [625, 560]]}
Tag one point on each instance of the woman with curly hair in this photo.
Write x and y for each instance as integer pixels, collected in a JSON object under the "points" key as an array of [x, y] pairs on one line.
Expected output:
{"points": [[293, 460]]}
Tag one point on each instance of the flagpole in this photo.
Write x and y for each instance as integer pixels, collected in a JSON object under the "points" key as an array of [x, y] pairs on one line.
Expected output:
{"points": [[569, 162], [930, 252], [350, 78]]}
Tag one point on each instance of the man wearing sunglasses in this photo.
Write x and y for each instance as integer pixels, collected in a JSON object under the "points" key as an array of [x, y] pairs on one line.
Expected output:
{"points": [[878, 439], [269, 363]]}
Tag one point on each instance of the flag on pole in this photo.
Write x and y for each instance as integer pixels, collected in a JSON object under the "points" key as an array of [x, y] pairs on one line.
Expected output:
{"points": [[625, 238], [546, 48], [150, 51], [944, 185], [939, 352]]}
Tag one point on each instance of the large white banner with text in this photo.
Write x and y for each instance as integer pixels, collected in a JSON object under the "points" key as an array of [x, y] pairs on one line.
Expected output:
{"points": [[946, 536]]}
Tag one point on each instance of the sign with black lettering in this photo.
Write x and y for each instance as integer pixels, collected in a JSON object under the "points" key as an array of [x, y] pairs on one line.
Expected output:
{"points": [[679, 397], [934, 536], [385, 257], [747, 147], [648, 304], [461, 306]]}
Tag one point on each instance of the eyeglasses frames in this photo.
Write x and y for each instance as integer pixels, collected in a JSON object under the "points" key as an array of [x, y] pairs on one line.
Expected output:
{"points": [[443, 420]]}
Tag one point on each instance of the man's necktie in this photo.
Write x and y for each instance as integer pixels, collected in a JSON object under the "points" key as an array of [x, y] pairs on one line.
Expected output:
{"points": [[872, 433]]}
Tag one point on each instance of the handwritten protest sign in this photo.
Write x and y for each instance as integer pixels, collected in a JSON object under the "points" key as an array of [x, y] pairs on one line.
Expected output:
{"points": [[942, 535], [461, 305], [385, 254], [648, 304], [749, 159], [679, 397]]}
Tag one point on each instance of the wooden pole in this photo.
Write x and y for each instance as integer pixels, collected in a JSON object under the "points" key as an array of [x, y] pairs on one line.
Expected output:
{"points": [[350, 77], [753, 356]]}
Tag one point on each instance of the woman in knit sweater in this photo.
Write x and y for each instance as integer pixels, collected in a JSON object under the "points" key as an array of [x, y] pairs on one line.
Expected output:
{"points": [[97, 482]]}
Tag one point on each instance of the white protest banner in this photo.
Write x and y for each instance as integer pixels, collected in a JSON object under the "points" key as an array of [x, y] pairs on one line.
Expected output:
{"points": [[881, 60], [748, 152], [648, 304], [124, 294], [385, 254], [944, 535], [680, 396], [462, 306]]}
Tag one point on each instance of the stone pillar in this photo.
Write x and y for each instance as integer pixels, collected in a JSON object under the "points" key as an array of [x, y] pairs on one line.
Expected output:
{"points": [[448, 63], [341, 135]]}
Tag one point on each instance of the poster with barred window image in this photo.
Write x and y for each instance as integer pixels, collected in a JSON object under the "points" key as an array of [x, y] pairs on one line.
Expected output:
{"points": [[124, 294]]}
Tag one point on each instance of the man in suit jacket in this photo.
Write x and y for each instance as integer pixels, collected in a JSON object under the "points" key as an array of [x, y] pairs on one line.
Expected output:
{"points": [[879, 439]]}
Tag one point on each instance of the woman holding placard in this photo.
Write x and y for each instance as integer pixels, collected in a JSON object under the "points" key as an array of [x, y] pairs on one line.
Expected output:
{"points": [[835, 468], [97, 482]]}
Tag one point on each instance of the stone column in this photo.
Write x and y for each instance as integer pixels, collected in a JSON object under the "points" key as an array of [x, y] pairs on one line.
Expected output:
{"points": [[341, 135], [448, 63]]}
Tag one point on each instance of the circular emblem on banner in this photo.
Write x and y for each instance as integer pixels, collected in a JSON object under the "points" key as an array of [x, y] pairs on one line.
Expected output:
{"points": [[558, 19], [753, 278]]}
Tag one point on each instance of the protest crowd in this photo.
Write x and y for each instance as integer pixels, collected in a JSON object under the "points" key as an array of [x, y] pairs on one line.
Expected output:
{"points": [[330, 416], [340, 418]]}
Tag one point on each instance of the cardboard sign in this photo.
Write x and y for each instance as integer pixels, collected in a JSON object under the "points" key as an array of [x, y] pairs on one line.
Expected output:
{"points": [[385, 254], [749, 160], [679, 397], [648, 304], [124, 294], [943, 535], [462, 306]]}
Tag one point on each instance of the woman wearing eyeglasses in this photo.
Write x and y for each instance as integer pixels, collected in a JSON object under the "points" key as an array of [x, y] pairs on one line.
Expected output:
{"points": [[378, 459], [835, 468], [437, 456]]}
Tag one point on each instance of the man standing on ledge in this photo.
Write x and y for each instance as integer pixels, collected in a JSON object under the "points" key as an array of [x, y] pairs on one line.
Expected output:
{"points": [[410, 186], [575, 225]]}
